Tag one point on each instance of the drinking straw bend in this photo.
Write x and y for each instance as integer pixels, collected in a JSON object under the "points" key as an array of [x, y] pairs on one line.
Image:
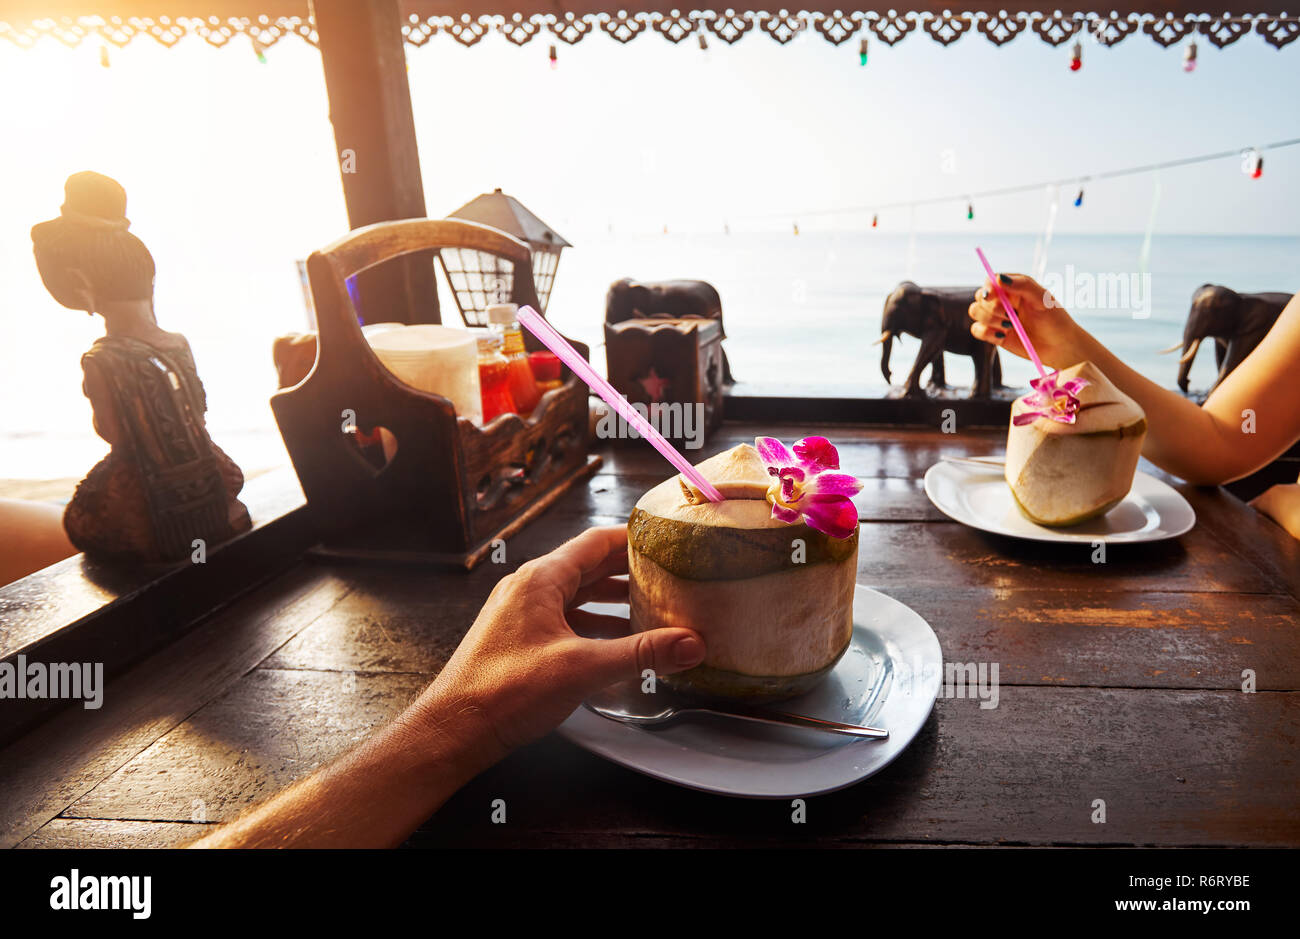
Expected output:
{"points": [[531, 320]]}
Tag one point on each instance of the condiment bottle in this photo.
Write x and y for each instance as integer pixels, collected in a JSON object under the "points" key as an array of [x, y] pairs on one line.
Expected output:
{"points": [[523, 388], [546, 369], [494, 379]]}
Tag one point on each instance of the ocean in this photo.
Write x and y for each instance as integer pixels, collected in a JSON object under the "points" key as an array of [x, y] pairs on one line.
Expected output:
{"points": [[801, 312], [804, 310]]}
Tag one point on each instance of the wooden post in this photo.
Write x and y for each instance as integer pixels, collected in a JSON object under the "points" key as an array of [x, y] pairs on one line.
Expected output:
{"points": [[374, 130]]}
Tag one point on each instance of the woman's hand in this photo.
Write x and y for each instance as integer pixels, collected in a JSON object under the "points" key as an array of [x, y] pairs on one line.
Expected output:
{"points": [[526, 662], [1058, 339], [1281, 503]]}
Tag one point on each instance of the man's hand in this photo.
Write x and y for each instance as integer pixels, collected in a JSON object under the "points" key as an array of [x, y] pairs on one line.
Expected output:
{"points": [[530, 657], [520, 670]]}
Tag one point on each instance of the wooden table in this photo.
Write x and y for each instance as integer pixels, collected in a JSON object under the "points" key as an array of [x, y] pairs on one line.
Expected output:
{"points": [[1119, 682]]}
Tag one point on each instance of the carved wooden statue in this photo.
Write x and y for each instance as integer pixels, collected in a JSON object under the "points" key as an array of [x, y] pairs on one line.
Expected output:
{"points": [[1237, 322], [164, 483], [667, 299], [938, 315]]}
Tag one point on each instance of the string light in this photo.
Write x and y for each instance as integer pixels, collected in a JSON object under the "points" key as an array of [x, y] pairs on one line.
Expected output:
{"points": [[862, 52], [259, 49], [1034, 186], [554, 61], [1189, 57], [1076, 56], [103, 57], [704, 43], [1252, 162]]}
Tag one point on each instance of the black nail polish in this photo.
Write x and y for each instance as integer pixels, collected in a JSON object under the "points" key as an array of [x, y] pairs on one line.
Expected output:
{"points": [[1000, 334], [1006, 324], [1005, 279]]}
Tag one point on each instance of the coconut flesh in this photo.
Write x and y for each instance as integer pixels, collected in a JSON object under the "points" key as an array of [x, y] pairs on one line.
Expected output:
{"points": [[1064, 474], [772, 600]]}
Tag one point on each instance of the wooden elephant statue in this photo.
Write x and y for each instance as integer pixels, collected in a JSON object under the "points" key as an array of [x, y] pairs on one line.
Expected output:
{"points": [[1236, 321], [938, 316], [668, 299]]}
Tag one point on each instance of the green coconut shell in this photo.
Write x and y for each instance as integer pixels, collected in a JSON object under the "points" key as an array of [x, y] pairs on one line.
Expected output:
{"points": [[712, 552]]}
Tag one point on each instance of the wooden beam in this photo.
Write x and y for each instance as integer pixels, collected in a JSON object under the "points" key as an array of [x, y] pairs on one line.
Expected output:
{"points": [[374, 129]]}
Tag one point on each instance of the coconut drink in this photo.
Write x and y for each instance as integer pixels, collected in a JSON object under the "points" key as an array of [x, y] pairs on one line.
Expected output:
{"points": [[1073, 446], [766, 576]]}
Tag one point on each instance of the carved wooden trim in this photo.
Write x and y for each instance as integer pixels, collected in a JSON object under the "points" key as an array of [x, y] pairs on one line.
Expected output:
{"points": [[1277, 32], [996, 23], [1168, 29], [948, 29]]}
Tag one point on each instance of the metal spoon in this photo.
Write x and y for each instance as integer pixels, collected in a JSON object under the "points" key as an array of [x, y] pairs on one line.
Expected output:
{"points": [[628, 704], [983, 462]]}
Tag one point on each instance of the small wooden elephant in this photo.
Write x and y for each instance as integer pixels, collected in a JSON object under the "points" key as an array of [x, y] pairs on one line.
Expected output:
{"points": [[1236, 321], [938, 316]]}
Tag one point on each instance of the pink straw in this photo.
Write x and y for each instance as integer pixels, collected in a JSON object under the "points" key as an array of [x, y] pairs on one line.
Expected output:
{"points": [[1015, 320], [531, 320]]}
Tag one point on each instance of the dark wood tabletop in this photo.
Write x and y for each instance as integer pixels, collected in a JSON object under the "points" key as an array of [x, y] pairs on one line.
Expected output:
{"points": [[1120, 681]]}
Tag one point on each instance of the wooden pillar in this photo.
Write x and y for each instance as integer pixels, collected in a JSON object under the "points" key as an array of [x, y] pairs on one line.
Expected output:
{"points": [[362, 51]]}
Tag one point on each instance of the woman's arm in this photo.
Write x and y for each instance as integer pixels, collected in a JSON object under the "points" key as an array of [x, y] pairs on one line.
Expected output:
{"points": [[1248, 421]]}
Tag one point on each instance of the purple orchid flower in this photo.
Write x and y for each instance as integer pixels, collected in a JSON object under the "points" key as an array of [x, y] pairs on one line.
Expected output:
{"points": [[1055, 402], [808, 486]]}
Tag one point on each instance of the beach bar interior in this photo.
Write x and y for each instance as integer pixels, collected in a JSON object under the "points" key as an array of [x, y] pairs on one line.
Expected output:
{"points": [[1003, 605]]}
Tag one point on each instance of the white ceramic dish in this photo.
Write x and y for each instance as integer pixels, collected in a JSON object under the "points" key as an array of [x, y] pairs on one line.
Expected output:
{"points": [[889, 678], [980, 498]]}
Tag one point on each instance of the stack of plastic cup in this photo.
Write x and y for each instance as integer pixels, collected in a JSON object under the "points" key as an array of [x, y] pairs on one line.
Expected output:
{"points": [[436, 359]]}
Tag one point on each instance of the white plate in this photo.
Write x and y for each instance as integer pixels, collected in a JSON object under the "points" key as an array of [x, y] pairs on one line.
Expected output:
{"points": [[981, 498], [888, 678]]}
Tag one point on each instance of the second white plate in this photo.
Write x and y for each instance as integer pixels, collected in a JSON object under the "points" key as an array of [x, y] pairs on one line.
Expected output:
{"points": [[978, 497]]}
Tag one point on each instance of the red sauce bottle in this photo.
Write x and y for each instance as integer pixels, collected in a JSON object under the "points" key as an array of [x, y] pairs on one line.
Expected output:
{"points": [[523, 387], [494, 380]]}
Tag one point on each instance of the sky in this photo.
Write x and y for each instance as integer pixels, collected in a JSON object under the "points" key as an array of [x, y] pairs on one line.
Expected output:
{"points": [[635, 137], [231, 170]]}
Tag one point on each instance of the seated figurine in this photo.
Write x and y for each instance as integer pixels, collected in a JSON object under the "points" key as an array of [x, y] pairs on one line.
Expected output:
{"points": [[164, 483]]}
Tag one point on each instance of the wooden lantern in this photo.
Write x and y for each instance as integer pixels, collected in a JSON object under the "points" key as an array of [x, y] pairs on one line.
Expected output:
{"points": [[477, 278]]}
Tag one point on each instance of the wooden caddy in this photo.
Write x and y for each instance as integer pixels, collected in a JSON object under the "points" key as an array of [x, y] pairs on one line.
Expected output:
{"points": [[452, 488]]}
